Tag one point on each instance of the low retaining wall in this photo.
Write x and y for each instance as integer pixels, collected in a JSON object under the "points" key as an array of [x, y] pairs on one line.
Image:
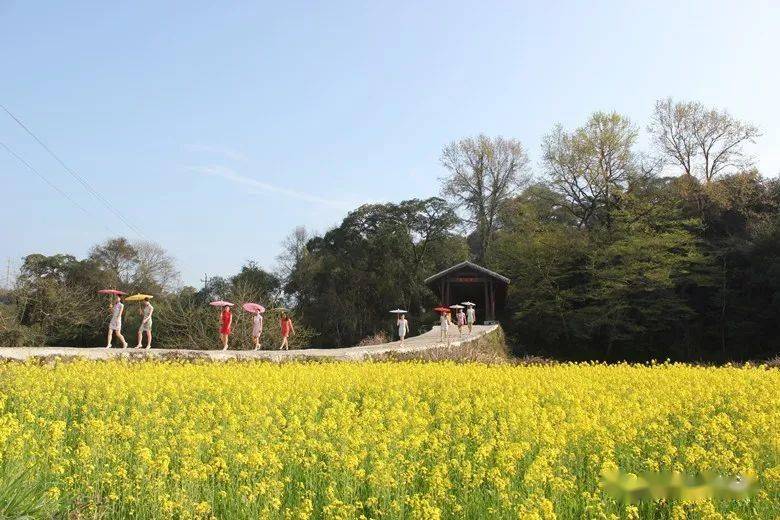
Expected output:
{"points": [[485, 343]]}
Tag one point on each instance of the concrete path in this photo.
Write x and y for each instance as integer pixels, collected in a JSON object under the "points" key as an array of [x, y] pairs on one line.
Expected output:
{"points": [[421, 343]]}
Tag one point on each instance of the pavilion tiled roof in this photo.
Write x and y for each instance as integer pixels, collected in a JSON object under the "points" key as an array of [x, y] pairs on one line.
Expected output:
{"points": [[470, 265]]}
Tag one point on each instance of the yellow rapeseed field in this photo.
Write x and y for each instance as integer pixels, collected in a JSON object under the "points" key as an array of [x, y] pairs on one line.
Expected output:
{"points": [[377, 440]]}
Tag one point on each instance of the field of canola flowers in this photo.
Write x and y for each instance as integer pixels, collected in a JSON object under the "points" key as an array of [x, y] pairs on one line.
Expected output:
{"points": [[376, 440]]}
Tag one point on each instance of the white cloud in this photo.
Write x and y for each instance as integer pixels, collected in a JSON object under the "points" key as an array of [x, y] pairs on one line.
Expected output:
{"points": [[227, 153], [261, 186]]}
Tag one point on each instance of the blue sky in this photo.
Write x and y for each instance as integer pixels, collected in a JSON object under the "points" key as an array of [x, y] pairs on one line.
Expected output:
{"points": [[218, 127]]}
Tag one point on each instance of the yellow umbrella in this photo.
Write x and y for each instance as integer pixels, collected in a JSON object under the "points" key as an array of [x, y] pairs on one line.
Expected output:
{"points": [[138, 297]]}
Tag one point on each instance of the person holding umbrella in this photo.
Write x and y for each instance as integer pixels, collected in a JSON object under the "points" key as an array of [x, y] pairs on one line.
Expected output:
{"points": [[460, 319], [146, 324], [471, 315], [115, 326], [256, 310], [287, 329], [403, 327], [444, 323], [257, 326], [225, 322]]}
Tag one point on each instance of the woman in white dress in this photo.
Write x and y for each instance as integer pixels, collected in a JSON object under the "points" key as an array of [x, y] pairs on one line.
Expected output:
{"points": [[257, 329], [403, 327], [471, 317], [146, 324], [444, 325], [115, 326]]}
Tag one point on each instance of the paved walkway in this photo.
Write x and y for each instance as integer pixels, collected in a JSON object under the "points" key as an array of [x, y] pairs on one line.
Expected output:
{"points": [[423, 342]]}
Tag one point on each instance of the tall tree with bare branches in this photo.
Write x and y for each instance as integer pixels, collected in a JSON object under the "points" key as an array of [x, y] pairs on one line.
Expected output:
{"points": [[704, 142], [592, 166], [484, 173]]}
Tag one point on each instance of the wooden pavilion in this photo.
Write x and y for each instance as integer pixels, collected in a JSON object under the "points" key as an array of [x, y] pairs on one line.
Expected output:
{"points": [[468, 281]]}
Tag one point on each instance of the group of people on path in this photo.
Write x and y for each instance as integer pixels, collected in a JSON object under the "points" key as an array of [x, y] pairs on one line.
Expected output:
{"points": [[226, 323], [117, 310], [463, 318], [115, 325]]}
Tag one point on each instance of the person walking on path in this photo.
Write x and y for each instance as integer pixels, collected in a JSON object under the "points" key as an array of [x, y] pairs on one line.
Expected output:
{"points": [[461, 317], [444, 326], [146, 324], [471, 317], [115, 326], [403, 327], [287, 329], [225, 321], [257, 329]]}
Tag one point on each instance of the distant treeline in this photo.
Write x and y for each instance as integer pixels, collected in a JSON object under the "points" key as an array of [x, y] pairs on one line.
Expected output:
{"points": [[614, 252]]}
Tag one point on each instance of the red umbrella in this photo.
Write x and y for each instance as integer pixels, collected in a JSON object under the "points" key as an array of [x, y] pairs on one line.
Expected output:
{"points": [[442, 309], [221, 303], [111, 291], [253, 307]]}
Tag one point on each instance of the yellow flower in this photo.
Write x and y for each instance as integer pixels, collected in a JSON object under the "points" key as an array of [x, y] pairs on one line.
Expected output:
{"points": [[381, 440]]}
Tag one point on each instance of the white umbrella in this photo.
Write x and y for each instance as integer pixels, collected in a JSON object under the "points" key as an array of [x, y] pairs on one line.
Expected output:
{"points": [[399, 311], [469, 304], [456, 306]]}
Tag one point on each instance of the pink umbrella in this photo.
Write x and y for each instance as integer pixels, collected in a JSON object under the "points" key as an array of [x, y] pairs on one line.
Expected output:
{"points": [[111, 291], [221, 303], [253, 307]]}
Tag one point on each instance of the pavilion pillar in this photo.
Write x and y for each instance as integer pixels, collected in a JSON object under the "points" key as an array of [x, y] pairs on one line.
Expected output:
{"points": [[487, 303], [492, 301]]}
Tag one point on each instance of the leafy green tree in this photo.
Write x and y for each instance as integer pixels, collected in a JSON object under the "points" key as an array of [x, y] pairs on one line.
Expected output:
{"points": [[602, 293], [118, 257], [593, 166], [634, 306], [545, 255], [258, 282], [377, 259]]}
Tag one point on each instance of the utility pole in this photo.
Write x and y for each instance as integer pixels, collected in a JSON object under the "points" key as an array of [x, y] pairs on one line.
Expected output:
{"points": [[8, 273], [205, 281]]}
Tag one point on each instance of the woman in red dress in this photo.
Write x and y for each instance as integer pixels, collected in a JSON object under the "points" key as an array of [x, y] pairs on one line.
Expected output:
{"points": [[226, 320], [287, 329]]}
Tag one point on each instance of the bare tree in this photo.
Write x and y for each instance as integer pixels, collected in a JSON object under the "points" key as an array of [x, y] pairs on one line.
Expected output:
{"points": [[156, 269], [484, 173], [593, 166], [704, 142], [293, 251]]}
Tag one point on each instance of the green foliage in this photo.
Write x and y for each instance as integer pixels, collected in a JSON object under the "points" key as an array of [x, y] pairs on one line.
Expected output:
{"points": [[376, 260], [660, 278], [22, 495]]}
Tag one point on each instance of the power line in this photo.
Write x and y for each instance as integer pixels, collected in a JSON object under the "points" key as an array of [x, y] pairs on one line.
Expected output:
{"points": [[44, 179], [76, 176], [51, 184]]}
